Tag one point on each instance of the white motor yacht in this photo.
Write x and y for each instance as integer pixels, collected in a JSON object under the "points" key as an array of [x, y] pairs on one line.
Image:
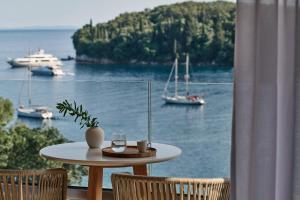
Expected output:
{"points": [[37, 59], [48, 71]]}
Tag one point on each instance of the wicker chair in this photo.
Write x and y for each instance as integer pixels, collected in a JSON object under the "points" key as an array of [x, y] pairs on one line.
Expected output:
{"points": [[129, 187], [33, 185]]}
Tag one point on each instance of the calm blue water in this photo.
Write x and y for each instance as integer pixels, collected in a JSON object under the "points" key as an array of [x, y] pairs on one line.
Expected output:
{"points": [[117, 95]]}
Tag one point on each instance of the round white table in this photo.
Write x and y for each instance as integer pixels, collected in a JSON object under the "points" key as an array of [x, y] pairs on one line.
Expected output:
{"points": [[79, 153]]}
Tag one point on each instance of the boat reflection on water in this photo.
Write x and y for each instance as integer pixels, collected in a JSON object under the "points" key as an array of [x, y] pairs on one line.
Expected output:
{"points": [[48, 71], [181, 107], [36, 123], [46, 123]]}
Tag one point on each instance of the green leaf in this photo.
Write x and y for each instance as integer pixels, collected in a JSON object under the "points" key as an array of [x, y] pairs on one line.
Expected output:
{"points": [[73, 110], [65, 112]]}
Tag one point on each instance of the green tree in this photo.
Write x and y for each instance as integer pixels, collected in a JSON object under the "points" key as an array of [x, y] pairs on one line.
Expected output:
{"points": [[25, 144], [20, 146], [92, 31], [6, 111], [5, 148], [204, 29]]}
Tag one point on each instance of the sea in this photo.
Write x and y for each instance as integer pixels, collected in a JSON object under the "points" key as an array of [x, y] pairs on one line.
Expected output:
{"points": [[118, 96]]}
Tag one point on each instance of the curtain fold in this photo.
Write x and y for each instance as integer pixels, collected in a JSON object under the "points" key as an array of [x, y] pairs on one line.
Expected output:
{"points": [[266, 133]]}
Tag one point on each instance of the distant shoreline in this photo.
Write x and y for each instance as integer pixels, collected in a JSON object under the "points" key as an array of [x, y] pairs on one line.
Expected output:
{"points": [[87, 60]]}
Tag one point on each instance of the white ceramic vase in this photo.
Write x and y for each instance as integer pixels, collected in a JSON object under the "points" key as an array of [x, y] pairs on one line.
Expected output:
{"points": [[94, 137]]}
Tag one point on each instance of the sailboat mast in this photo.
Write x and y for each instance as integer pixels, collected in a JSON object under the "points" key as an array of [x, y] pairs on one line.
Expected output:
{"points": [[187, 75], [176, 68], [176, 77], [29, 85]]}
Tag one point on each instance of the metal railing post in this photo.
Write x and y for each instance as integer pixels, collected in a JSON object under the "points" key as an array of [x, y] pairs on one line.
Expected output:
{"points": [[149, 113], [149, 84]]}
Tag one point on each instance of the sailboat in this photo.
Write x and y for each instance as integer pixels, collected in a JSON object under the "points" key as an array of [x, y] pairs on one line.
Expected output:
{"points": [[33, 111], [176, 98]]}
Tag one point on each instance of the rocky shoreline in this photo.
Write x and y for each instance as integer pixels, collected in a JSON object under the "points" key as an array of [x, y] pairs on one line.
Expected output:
{"points": [[104, 61]]}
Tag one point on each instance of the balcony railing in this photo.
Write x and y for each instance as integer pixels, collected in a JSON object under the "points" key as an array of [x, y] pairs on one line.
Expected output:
{"points": [[202, 132]]}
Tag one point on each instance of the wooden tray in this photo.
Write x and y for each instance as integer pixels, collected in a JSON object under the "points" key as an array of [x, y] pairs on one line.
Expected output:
{"points": [[130, 152]]}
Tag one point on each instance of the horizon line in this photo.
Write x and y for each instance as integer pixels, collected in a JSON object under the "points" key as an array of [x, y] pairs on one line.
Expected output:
{"points": [[41, 27]]}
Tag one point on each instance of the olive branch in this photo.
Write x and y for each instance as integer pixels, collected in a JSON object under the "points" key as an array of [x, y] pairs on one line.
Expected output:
{"points": [[85, 119]]}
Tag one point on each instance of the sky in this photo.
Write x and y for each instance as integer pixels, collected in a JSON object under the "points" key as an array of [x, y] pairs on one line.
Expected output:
{"points": [[41, 13]]}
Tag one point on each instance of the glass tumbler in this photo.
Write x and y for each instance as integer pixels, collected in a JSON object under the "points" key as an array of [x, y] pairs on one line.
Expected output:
{"points": [[118, 143]]}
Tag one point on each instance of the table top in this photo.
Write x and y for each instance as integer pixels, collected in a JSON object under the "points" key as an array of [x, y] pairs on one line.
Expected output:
{"points": [[79, 153]]}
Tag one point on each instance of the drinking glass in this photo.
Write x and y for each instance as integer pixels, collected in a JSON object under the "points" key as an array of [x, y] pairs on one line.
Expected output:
{"points": [[118, 142]]}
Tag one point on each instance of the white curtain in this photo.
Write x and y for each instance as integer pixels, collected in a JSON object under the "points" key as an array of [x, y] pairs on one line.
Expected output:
{"points": [[266, 122]]}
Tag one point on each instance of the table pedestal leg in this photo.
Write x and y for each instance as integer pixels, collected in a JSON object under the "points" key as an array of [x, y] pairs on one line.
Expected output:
{"points": [[95, 183], [140, 170]]}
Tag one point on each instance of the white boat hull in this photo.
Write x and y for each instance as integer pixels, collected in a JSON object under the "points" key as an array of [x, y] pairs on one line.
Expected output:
{"points": [[37, 59], [47, 71], [34, 113], [15, 64], [184, 100]]}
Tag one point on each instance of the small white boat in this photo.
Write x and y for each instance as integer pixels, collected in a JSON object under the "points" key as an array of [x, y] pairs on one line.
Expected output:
{"points": [[41, 112], [35, 112], [48, 71], [177, 99], [37, 59]]}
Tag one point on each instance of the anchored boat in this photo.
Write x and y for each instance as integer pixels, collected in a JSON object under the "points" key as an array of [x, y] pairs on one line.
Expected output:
{"points": [[33, 111], [176, 98], [38, 59]]}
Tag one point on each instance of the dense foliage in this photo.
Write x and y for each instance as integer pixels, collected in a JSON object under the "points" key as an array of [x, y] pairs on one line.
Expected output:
{"points": [[6, 111], [204, 30], [20, 146]]}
